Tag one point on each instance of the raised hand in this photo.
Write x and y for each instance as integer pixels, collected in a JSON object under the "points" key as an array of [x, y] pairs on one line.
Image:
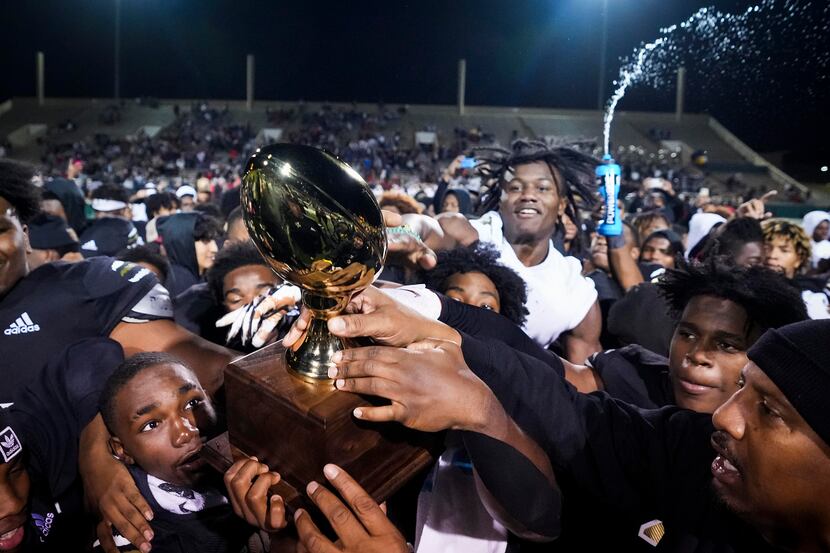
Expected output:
{"points": [[360, 524], [247, 482]]}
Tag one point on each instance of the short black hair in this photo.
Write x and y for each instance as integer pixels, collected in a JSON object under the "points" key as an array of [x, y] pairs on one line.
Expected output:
{"points": [[123, 374], [576, 169], [16, 188], [675, 242], [233, 216], [229, 258], [481, 258], [147, 254], [731, 237], [768, 298], [206, 228], [209, 209], [111, 192], [158, 201]]}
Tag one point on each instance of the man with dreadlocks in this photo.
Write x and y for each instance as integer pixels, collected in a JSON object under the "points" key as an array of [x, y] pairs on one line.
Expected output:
{"points": [[531, 186]]}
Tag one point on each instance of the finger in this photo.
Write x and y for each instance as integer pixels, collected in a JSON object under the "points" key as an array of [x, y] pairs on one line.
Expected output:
{"points": [[265, 330], [427, 260], [230, 317], [131, 525], [140, 504], [310, 536], [384, 413], [372, 386], [257, 498], [230, 474], [344, 523], [429, 344], [297, 329], [366, 509], [276, 513], [769, 195], [104, 532], [392, 219], [385, 354], [242, 483]]}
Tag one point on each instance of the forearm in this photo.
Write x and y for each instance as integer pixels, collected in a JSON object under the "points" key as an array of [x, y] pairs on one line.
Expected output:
{"points": [[513, 474], [93, 454], [485, 324], [622, 264]]}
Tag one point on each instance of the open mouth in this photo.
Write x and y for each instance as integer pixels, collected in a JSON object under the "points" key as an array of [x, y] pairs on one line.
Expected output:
{"points": [[725, 468], [12, 538], [527, 212]]}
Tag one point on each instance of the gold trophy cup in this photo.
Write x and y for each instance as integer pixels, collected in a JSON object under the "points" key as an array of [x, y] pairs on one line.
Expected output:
{"points": [[318, 225]]}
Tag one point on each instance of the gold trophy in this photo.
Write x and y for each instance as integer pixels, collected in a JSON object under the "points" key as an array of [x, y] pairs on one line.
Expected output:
{"points": [[318, 225]]}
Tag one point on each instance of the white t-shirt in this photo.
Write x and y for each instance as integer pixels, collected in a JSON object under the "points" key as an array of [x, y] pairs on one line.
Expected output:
{"points": [[558, 296]]}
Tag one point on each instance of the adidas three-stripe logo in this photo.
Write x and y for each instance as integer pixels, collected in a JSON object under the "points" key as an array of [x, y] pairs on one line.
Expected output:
{"points": [[22, 325]]}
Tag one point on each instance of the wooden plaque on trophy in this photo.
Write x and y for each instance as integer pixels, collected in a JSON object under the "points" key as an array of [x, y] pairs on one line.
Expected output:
{"points": [[296, 427]]}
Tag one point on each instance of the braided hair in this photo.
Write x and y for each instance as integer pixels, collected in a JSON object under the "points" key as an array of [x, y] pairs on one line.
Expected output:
{"points": [[576, 169]]}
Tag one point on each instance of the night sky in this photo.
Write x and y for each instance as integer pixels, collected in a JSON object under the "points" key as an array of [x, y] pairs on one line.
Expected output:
{"points": [[519, 53]]}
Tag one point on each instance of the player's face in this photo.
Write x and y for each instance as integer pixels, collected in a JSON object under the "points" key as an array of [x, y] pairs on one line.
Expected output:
{"points": [[243, 284], [530, 203], [14, 245], [14, 497], [162, 415], [474, 289]]}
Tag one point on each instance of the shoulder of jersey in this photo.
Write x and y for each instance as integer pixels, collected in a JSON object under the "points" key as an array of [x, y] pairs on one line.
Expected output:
{"points": [[107, 267]]}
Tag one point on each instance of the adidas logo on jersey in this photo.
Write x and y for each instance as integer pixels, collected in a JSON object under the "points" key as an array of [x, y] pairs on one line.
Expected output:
{"points": [[22, 325]]}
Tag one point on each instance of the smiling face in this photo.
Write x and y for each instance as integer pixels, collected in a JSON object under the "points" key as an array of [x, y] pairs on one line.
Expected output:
{"points": [[205, 254], [162, 415], [772, 468], [245, 283], [707, 352], [14, 245], [530, 203], [473, 289], [14, 498]]}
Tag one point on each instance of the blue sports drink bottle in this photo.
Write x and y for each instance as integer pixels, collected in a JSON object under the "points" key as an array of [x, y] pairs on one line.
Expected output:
{"points": [[608, 181]]}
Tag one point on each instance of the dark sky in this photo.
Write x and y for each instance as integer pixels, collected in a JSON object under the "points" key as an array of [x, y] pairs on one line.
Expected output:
{"points": [[519, 52]]}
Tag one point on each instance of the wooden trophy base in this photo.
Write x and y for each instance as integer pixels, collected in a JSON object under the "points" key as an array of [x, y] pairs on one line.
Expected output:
{"points": [[296, 427]]}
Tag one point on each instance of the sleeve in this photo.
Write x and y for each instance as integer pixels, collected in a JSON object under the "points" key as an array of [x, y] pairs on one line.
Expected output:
{"points": [[118, 289], [581, 292], [486, 324], [621, 379], [518, 486], [633, 459]]}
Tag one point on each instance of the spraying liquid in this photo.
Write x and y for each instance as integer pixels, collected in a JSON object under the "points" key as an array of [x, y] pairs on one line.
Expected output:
{"points": [[734, 48]]}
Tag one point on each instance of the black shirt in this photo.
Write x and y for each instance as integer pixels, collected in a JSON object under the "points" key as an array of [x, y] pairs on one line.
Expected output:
{"points": [[59, 304], [633, 466], [48, 416], [635, 375]]}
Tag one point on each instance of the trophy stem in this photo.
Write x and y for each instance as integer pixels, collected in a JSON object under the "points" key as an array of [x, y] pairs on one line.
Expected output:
{"points": [[312, 358]]}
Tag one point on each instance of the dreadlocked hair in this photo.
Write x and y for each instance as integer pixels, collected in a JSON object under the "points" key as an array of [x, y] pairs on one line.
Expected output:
{"points": [[17, 189], [481, 258], [576, 182], [769, 299]]}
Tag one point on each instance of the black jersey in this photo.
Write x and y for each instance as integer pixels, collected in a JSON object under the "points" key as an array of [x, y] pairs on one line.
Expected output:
{"points": [[635, 375], [48, 416], [59, 304]]}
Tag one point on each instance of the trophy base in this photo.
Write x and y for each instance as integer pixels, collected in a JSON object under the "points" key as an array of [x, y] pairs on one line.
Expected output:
{"points": [[297, 425]]}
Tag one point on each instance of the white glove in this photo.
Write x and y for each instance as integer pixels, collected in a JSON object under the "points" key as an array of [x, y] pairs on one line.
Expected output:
{"points": [[256, 321]]}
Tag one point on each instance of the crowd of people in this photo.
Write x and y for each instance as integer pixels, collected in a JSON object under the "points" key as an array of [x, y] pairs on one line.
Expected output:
{"points": [[657, 389]]}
